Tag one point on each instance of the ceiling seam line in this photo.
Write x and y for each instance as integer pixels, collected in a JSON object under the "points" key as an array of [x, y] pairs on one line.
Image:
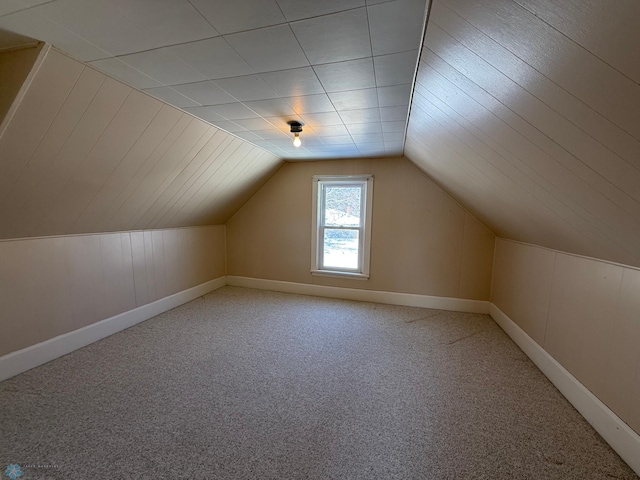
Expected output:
{"points": [[427, 16]]}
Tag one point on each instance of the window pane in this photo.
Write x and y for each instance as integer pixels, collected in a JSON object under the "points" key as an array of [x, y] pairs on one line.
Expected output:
{"points": [[342, 205], [341, 248]]}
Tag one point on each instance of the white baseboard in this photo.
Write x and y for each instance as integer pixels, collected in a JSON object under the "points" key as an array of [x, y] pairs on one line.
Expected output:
{"points": [[22, 360], [622, 438], [392, 298]]}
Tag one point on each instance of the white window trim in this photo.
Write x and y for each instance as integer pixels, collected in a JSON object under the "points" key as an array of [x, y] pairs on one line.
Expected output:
{"points": [[365, 250]]}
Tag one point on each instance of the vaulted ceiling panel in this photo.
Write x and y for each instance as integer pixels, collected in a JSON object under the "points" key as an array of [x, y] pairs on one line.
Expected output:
{"points": [[531, 129], [220, 59], [86, 153]]}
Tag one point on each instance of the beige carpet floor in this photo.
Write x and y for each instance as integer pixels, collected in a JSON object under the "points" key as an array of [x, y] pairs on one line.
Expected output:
{"points": [[247, 384]]}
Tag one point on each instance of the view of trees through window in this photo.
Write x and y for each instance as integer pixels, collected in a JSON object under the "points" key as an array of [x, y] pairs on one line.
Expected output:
{"points": [[342, 204]]}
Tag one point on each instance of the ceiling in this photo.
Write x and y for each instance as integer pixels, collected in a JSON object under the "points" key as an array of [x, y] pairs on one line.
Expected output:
{"points": [[528, 113], [344, 68]]}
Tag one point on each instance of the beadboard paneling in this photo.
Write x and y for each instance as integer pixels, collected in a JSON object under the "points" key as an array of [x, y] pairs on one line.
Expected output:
{"points": [[54, 285], [532, 120], [85, 153], [584, 312]]}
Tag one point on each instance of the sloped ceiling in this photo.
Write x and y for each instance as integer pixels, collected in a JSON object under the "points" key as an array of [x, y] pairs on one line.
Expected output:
{"points": [[528, 112], [344, 68], [85, 153]]}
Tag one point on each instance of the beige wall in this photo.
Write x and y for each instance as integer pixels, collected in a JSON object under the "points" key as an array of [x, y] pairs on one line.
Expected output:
{"points": [[585, 313], [422, 241], [15, 65], [53, 285]]}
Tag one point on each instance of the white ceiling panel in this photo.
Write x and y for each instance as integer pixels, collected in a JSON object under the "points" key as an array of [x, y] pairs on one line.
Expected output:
{"points": [[249, 87], [389, 127], [366, 115], [311, 103], [331, 130], [394, 25], [169, 95], [321, 119], [271, 108], [214, 58], [394, 95], [116, 68], [100, 23], [168, 21], [355, 99], [32, 24], [205, 93], [395, 68], [364, 128], [234, 111], [350, 75], [338, 140], [269, 49], [335, 38], [367, 138], [10, 6], [392, 150], [254, 124], [230, 17], [294, 83], [371, 149], [246, 135], [393, 137], [271, 134], [280, 123], [300, 9], [394, 114], [206, 113], [289, 60], [228, 125], [163, 67]]}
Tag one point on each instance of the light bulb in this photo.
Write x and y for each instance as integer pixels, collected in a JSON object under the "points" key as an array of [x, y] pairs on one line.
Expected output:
{"points": [[296, 140]]}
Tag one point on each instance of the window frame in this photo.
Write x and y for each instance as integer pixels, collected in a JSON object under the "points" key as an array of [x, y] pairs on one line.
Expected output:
{"points": [[318, 227]]}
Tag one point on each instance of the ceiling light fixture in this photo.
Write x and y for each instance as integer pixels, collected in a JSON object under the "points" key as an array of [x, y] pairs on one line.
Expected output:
{"points": [[296, 129]]}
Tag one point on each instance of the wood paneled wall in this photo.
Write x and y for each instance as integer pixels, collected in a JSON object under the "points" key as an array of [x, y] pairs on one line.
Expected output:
{"points": [[422, 241], [85, 153], [54, 285], [585, 313], [528, 113]]}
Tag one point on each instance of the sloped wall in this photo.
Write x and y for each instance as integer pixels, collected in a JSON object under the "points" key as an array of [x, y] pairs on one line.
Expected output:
{"points": [[422, 241], [527, 112], [85, 153], [585, 313], [51, 286]]}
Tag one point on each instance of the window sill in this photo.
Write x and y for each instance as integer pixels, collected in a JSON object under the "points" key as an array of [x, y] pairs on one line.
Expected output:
{"points": [[337, 273]]}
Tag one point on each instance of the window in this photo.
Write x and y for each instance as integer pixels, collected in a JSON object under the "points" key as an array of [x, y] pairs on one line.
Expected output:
{"points": [[341, 225]]}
